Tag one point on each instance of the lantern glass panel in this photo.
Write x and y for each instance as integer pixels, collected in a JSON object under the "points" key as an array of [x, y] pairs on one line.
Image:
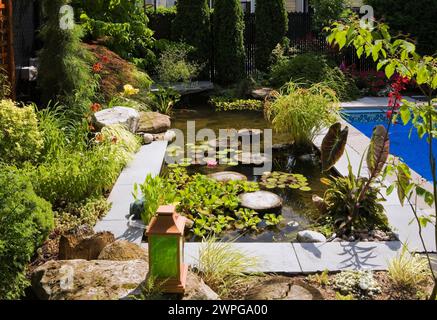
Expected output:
{"points": [[164, 256]]}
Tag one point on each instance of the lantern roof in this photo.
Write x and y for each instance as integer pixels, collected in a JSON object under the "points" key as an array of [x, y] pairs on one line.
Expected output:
{"points": [[167, 222]]}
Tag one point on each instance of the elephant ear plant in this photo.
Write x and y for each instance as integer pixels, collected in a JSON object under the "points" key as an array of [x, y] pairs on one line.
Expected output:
{"points": [[353, 201]]}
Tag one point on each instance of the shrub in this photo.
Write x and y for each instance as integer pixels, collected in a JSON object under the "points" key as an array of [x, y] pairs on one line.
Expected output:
{"points": [[416, 18], [116, 72], [307, 69], [25, 222], [78, 173], [223, 267], [228, 27], [5, 86], [20, 139], [341, 196], [161, 21], [271, 26], [65, 67], [326, 11], [408, 271], [121, 25], [361, 284], [86, 212], [192, 26], [304, 68], [302, 113], [173, 64]]}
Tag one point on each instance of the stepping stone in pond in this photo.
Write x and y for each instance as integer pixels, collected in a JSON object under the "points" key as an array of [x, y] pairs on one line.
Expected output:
{"points": [[251, 158], [226, 176], [261, 201], [249, 132], [224, 143]]}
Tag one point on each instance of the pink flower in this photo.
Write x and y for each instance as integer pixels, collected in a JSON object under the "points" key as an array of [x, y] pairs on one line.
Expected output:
{"points": [[211, 163]]}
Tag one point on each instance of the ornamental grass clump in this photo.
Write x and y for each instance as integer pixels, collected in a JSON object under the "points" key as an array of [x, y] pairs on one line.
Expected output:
{"points": [[408, 271], [302, 113], [223, 267]]}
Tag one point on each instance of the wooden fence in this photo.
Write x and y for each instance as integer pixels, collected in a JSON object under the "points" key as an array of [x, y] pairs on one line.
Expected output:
{"points": [[6, 40]]}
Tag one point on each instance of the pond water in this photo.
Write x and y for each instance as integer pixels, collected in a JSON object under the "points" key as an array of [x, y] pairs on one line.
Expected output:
{"points": [[298, 210]]}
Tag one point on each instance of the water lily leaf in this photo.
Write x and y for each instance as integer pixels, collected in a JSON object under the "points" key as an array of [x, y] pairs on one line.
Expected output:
{"points": [[305, 189], [378, 152], [333, 145]]}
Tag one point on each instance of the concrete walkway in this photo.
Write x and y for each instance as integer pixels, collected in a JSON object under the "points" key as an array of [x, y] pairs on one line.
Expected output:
{"points": [[148, 160], [312, 257], [370, 102]]}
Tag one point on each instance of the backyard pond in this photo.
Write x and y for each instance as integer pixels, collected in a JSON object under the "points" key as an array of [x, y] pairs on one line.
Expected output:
{"points": [[298, 210]]}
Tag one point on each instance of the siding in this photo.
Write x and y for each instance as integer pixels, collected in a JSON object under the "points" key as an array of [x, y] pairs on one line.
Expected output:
{"points": [[356, 3], [290, 5]]}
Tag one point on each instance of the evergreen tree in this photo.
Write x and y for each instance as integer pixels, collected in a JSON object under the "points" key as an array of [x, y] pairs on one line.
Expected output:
{"points": [[271, 22], [229, 53], [192, 26], [65, 66]]}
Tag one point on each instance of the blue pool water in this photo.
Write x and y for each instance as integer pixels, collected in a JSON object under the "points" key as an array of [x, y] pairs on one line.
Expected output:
{"points": [[411, 149]]}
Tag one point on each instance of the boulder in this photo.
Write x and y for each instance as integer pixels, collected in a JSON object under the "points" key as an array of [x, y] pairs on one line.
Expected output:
{"points": [[79, 246], [148, 138], [153, 122], [226, 176], [261, 201], [198, 290], [319, 203], [310, 236], [261, 93], [282, 288], [89, 280], [122, 250], [117, 115]]}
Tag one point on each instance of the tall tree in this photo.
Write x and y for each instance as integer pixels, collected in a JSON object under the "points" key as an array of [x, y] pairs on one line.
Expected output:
{"points": [[192, 26], [271, 26], [65, 69], [417, 18], [228, 41]]}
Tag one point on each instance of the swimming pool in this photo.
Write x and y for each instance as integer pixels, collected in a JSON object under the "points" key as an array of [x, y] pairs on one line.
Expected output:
{"points": [[411, 149]]}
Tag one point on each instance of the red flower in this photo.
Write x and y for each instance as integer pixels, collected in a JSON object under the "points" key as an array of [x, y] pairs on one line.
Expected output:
{"points": [[105, 59], [100, 137], [389, 114], [95, 107], [97, 67]]}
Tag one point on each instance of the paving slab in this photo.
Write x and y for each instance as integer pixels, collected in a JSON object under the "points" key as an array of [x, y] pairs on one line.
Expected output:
{"points": [[121, 230], [273, 257], [370, 102], [337, 256], [148, 160], [405, 226]]}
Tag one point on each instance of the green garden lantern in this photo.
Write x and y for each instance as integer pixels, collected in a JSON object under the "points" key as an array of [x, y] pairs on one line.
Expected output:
{"points": [[166, 250]]}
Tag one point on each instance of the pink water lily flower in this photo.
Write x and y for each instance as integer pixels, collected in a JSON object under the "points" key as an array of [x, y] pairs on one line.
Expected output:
{"points": [[211, 163]]}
